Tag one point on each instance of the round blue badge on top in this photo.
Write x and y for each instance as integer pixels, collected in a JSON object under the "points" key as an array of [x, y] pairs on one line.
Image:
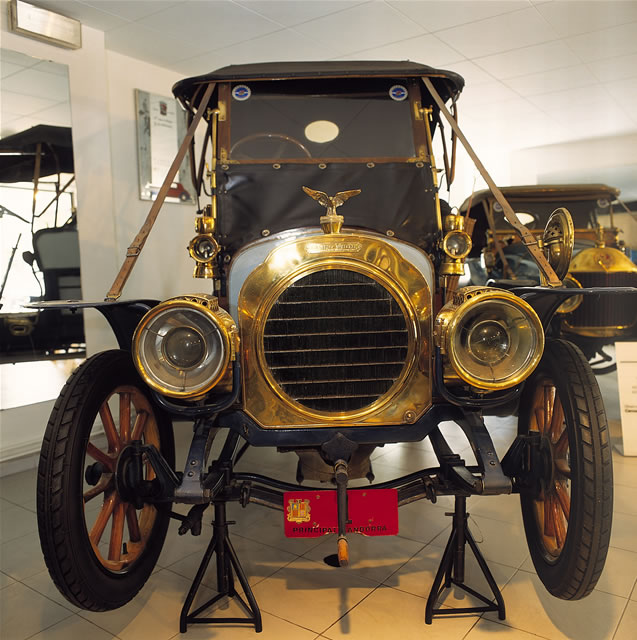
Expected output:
{"points": [[241, 92], [398, 92]]}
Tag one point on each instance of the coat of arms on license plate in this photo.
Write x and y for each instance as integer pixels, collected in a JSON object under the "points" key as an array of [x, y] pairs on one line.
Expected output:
{"points": [[298, 510]]}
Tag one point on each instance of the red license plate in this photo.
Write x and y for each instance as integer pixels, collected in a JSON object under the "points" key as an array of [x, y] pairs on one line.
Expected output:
{"points": [[310, 514]]}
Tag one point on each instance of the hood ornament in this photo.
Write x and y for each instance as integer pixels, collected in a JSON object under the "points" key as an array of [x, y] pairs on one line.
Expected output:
{"points": [[331, 222]]}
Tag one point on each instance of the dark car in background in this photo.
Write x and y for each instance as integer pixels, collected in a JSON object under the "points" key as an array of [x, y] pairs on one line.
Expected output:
{"points": [[600, 259]]}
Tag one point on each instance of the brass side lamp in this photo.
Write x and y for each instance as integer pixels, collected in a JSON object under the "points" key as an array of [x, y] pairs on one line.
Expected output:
{"points": [[204, 248], [456, 245]]}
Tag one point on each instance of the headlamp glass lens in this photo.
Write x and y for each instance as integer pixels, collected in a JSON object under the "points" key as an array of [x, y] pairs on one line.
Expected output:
{"points": [[488, 342], [181, 350], [184, 347]]}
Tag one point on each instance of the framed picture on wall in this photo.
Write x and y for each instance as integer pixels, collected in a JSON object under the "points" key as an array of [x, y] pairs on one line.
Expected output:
{"points": [[161, 126]]}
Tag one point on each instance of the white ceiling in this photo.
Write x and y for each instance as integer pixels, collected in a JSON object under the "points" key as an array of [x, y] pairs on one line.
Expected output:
{"points": [[537, 72]]}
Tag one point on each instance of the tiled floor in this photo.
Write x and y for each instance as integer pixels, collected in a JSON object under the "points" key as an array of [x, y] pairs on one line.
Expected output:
{"points": [[380, 596]]}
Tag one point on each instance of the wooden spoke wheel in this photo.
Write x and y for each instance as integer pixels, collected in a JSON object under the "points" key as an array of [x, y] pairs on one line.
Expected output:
{"points": [[567, 509], [553, 502], [126, 415], [100, 546]]}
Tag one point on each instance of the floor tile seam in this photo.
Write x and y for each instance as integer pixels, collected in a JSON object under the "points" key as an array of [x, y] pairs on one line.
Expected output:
{"points": [[406, 469], [429, 542], [625, 513], [265, 544], [473, 626], [346, 613], [621, 617], [13, 503], [207, 585], [617, 483], [95, 624], [270, 613], [633, 592], [411, 557], [509, 625], [411, 593], [262, 578], [21, 535], [82, 613], [16, 505], [622, 460], [64, 606], [51, 625], [473, 517], [610, 593], [296, 624], [614, 546]]}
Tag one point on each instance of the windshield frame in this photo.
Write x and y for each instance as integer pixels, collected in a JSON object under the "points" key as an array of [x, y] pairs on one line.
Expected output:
{"points": [[422, 153]]}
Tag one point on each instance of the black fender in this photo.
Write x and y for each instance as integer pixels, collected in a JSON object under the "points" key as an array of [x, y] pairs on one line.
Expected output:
{"points": [[122, 316], [546, 300]]}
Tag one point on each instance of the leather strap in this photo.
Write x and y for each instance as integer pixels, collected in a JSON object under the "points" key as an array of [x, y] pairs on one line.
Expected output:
{"points": [[137, 245], [528, 239]]}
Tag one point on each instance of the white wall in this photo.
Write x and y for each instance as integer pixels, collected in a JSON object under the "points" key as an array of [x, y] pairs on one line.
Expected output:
{"points": [[164, 268], [496, 159]]}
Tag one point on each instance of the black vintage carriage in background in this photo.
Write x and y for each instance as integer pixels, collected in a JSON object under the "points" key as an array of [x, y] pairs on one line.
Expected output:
{"points": [[43, 151], [325, 335]]}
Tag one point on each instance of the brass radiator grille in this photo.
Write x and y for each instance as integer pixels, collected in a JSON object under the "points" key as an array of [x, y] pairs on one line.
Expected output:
{"points": [[607, 311], [335, 341]]}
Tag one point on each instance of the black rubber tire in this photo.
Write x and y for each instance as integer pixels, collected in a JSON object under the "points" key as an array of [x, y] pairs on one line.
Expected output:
{"points": [[70, 558], [572, 569]]}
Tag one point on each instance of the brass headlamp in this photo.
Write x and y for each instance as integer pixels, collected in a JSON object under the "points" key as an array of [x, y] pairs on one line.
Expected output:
{"points": [[491, 338], [183, 347], [456, 245], [204, 248]]}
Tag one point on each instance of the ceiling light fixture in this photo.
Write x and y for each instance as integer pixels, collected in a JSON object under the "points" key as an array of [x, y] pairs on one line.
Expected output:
{"points": [[28, 20]]}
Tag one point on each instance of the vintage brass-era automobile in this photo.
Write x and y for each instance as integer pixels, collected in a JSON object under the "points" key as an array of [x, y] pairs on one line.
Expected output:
{"points": [[599, 259], [326, 335]]}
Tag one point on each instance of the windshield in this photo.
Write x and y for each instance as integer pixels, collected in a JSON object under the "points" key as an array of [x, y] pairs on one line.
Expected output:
{"points": [[350, 118], [584, 212]]}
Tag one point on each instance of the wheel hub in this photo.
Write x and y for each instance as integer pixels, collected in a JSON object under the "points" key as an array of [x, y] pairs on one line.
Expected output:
{"points": [[547, 463], [129, 475]]}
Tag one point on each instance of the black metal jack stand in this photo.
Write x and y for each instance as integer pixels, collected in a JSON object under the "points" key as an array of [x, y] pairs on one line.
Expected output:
{"points": [[227, 560], [452, 568]]}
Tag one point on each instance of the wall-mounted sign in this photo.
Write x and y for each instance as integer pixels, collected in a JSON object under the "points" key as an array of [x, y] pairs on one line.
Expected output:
{"points": [[626, 354], [161, 126]]}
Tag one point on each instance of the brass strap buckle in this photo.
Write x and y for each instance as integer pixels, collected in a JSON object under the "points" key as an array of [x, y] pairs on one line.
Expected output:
{"points": [[133, 251]]}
